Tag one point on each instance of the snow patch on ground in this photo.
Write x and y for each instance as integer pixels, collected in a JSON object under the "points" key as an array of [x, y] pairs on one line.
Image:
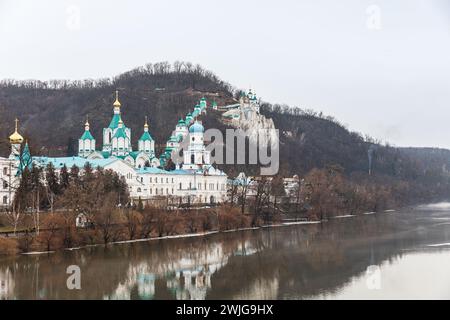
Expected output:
{"points": [[300, 222], [345, 216], [445, 244], [38, 252]]}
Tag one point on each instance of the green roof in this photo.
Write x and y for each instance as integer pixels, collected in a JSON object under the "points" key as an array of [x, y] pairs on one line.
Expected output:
{"points": [[105, 154], [134, 154], [146, 137], [114, 121], [120, 133], [181, 122], [87, 135], [26, 160]]}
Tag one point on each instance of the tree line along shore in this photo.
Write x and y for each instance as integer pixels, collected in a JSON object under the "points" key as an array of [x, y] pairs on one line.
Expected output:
{"points": [[73, 208]]}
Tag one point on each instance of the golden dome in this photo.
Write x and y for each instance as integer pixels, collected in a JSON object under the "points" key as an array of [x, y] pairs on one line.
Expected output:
{"points": [[145, 124], [117, 102], [16, 137]]}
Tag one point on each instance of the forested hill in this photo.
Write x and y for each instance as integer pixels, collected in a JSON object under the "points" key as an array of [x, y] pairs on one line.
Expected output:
{"points": [[52, 115]]}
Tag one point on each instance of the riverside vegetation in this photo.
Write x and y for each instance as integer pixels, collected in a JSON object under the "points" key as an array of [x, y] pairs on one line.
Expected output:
{"points": [[47, 203]]}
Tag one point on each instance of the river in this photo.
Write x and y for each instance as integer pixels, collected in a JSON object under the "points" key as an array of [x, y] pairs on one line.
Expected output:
{"points": [[390, 255]]}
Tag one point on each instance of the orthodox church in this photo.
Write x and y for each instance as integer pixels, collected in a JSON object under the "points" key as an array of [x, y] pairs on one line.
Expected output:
{"points": [[193, 180], [117, 142]]}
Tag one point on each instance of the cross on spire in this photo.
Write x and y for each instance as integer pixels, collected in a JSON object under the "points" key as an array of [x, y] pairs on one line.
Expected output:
{"points": [[117, 102]]}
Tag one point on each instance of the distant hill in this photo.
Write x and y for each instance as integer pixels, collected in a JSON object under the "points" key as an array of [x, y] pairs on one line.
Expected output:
{"points": [[52, 116]]}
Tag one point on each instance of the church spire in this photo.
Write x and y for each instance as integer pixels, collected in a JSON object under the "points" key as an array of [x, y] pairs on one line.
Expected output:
{"points": [[117, 104], [146, 124], [16, 138], [86, 124]]}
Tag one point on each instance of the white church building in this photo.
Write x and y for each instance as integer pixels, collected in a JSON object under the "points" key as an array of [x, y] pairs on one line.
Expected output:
{"points": [[195, 180]]}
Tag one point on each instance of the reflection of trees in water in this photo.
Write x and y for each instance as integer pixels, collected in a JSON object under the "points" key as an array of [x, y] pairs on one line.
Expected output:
{"points": [[302, 262], [125, 270], [287, 262]]}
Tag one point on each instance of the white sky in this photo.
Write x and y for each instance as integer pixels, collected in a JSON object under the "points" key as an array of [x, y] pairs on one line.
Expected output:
{"points": [[392, 82]]}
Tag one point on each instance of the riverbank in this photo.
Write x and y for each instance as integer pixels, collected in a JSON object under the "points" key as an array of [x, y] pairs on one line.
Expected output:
{"points": [[282, 223], [58, 231]]}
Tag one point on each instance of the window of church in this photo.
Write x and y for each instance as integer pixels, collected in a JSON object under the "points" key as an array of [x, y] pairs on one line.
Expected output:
{"points": [[5, 199], [5, 171]]}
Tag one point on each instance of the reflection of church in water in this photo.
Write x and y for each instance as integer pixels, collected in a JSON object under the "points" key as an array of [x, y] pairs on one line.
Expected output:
{"points": [[188, 278]]}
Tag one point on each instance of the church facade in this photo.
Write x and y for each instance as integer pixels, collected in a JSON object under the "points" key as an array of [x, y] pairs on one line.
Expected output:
{"points": [[194, 180]]}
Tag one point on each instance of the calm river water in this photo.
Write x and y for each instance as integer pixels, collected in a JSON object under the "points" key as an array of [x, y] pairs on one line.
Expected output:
{"points": [[389, 255]]}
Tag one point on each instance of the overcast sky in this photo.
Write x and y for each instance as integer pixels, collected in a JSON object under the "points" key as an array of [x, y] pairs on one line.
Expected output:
{"points": [[381, 67]]}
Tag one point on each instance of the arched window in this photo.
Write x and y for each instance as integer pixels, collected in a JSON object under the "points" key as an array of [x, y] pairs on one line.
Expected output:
{"points": [[192, 158], [5, 199], [139, 190], [5, 185], [5, 171]]}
